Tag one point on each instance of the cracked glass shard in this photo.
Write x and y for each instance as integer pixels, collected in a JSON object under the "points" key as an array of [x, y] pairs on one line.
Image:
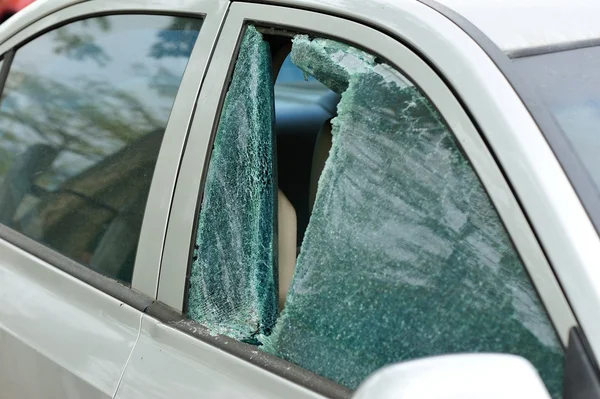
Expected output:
{"points": [[405, 255], [232, 287]]}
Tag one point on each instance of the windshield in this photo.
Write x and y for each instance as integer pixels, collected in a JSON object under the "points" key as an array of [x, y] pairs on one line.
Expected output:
{"points": [[569, 83]]}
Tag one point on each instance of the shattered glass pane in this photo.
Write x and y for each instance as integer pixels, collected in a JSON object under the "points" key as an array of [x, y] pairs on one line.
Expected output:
{"points": [[233, 278], [404, 256]]}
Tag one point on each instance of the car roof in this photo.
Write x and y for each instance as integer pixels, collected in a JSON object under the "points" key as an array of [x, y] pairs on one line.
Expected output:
{"points": [[519, 25], [515, 26]]}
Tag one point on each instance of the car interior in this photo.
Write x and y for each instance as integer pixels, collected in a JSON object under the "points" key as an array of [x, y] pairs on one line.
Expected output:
{"points": [[304, 108]]}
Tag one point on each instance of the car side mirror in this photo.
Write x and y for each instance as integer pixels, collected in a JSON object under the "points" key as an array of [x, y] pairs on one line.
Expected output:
{"points": [[468, 376]]}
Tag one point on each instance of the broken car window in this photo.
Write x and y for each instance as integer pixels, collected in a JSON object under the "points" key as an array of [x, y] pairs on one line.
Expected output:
{"points": [[233, 287], [404, 255]]}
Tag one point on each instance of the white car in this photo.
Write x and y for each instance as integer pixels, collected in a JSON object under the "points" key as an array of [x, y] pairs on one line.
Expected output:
{"points": [[300, 199]]}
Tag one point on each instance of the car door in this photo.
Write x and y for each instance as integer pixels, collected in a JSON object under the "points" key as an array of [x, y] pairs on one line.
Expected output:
{"points": [[96, 101], [241, 216]]}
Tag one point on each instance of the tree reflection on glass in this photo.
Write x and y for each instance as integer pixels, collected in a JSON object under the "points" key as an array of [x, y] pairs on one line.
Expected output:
{"points": [[81, 131]]}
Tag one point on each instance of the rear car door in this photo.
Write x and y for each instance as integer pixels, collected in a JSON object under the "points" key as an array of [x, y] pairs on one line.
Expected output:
{"points": [[96, 101], [290, 271]]}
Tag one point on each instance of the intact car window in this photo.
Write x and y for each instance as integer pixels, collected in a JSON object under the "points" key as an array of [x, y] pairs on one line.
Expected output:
{"points": [[83, 113], [403, 256]]}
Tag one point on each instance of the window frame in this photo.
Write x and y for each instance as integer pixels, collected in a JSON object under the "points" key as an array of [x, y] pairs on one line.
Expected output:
{"points": [[144, 286], [173, 278]]}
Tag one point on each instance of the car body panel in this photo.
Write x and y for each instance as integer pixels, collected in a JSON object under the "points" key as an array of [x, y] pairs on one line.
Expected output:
{"points": [[168, 363], [59, 338], [83, 342], [515, 25], [43, 8]]}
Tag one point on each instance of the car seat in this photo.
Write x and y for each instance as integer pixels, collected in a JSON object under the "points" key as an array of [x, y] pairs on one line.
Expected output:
{"points": [[320, 155]]}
